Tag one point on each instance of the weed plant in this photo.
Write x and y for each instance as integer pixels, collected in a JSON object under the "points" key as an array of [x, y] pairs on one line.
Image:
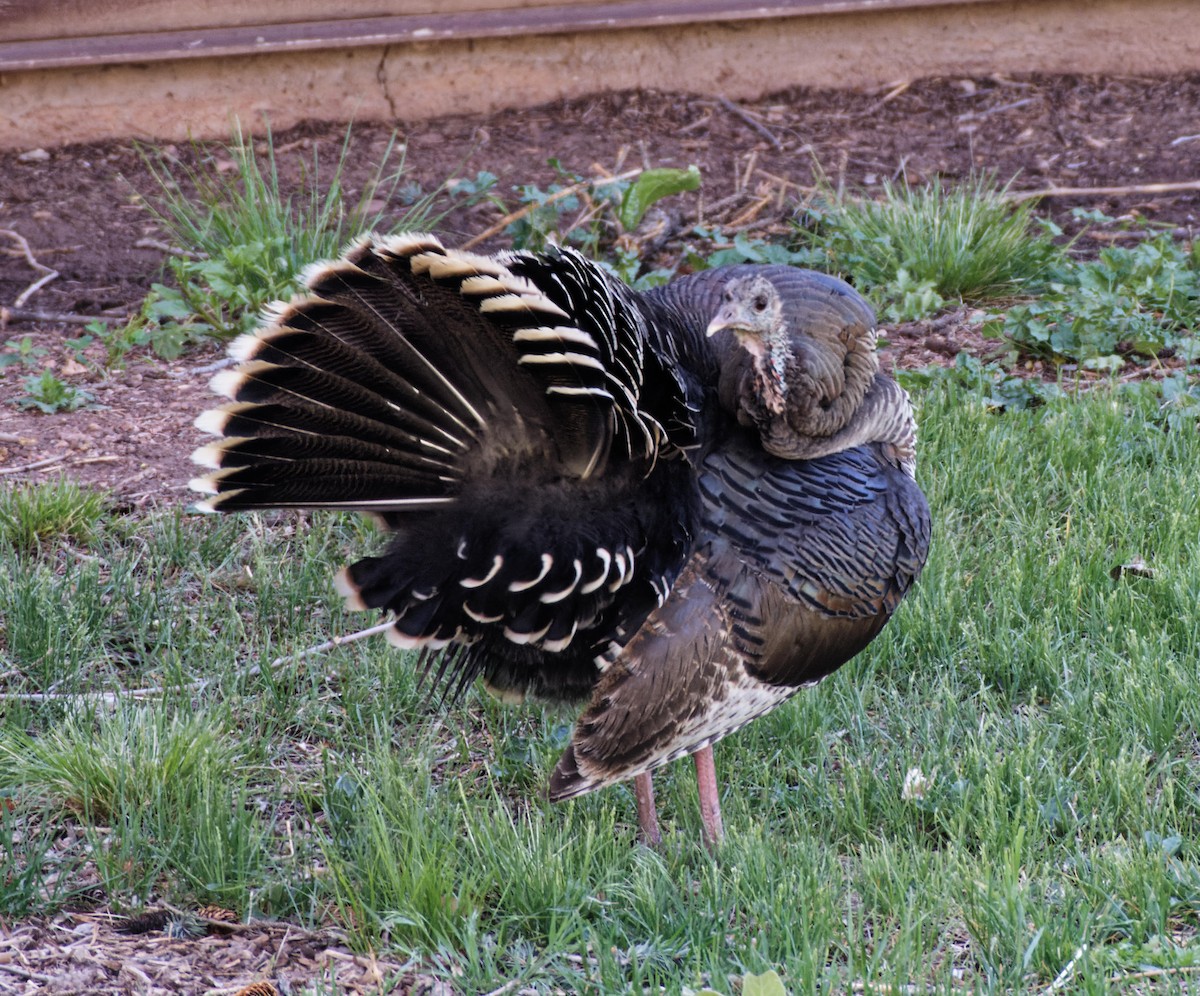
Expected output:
{"points": [[243, 237], [1140, 300], [1037, 698], [59, 509], [919, 247]]}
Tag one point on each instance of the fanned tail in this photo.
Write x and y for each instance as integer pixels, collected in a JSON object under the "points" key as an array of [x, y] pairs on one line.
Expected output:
{"points": [[501, 415], [408, 369]]}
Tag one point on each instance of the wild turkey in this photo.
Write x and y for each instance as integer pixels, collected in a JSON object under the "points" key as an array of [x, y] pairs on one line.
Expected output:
{"points": [[686, 504]]}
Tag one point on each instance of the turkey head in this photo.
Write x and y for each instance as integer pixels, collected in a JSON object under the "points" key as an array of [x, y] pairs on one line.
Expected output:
{"points": [[804, 367]]}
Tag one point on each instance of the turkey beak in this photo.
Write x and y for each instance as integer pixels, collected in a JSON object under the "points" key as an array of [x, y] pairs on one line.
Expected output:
{"points": [[729, 317]]}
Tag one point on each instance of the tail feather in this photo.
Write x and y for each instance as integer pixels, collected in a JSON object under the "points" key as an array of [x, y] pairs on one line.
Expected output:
{"points": [[422, 367], [502, 400], [285, 346], [289, 448], [266, 383], [344, 484], [304, 423]]}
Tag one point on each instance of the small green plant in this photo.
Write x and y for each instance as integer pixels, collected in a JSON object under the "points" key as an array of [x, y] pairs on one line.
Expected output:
{"points": [[1001, 390], [920, 247], [32, 874], [1140, 300], [162, 786], [747, 250], [48, 394], [31, 513], [93, 764], [243, 239], [1181, 401], [592, 214], [117, 341], [21, 352]]}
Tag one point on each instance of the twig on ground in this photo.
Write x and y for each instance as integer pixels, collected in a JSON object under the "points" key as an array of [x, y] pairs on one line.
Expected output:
{"points": [[558, 195], [783, 181], [12, 437], [221, 364], [45, 252], [752, 212], [751, 160], [1102, 236], [1063, 979], [36, 465], [1154, 973], [112, 698], [24, 973], [988, 112], [746, 116], [33, 315], [700, 122], [47, 273], [707, 210], [172, 250], [1182, 186], [894, 91], [108, 458]]}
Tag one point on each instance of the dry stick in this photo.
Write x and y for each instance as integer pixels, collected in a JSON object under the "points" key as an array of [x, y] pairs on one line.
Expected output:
{"points": [[1138, 188], [783, 181], [37, 285], [745, 115], [751, 212], [96, 459], [558, 195], [1063, 979], [895, 91], [988, 112], [36, 465], [24, 973], [1154, 973], [33, 315], [172, 250], [112, 698], [751, 160]]}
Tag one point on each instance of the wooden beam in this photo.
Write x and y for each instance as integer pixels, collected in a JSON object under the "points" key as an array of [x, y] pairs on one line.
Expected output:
{"points": [[219, 41]]}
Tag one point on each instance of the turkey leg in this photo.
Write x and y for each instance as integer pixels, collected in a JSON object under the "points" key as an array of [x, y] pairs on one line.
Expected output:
{"points": [[710, 799], [643, 790]]}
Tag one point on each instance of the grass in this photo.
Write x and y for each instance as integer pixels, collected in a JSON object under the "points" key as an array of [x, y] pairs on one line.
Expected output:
{"points": [[243, 233], [59, 510], [1052, 710], [919, 247], [1000, 791]]}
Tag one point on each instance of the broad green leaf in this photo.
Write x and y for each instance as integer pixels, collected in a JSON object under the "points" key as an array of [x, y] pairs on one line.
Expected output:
{"points": [[653, 185], [767, 984]]}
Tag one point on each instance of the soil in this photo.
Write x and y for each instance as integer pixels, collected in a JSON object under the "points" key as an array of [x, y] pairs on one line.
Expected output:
{"points": [[82, 211]]}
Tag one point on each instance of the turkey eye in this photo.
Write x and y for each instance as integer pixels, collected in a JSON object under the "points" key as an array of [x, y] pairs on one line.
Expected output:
{"points": [[760, 303]]}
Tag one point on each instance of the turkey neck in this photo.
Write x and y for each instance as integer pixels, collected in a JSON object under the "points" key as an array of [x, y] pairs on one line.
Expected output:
{"points": [[806, 392], [884, 416]]}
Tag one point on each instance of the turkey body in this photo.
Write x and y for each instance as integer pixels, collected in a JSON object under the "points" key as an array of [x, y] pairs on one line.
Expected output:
{"points": [[595, 495]]}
